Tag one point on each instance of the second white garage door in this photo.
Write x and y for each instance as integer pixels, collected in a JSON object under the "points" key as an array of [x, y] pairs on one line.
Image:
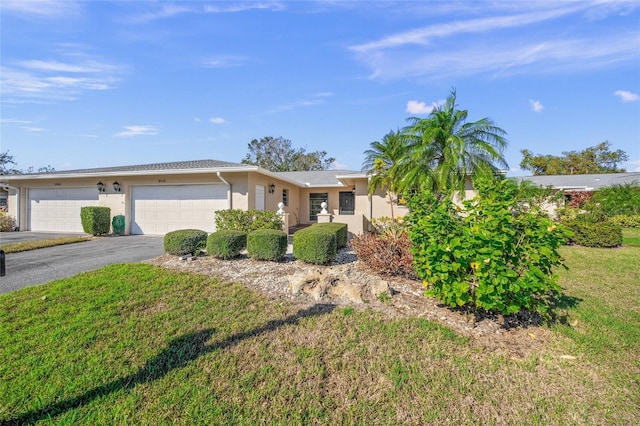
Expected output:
{"points": [[156, 210]]}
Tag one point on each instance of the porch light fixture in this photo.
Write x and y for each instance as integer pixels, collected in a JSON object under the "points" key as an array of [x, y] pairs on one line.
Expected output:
{"points": [[272, 188], [100, 186], [116, 186], [353, 191]]}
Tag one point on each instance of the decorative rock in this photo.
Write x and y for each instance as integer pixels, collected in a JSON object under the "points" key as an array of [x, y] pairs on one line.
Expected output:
{"points": [[378, 287]]}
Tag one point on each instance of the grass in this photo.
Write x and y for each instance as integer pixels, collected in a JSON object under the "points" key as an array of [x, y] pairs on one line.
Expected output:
{"points": [[38, 244], [143, 345], [631, 237]]}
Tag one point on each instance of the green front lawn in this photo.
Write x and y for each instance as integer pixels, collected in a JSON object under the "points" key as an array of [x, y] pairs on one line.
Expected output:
{"points": [[38, 244], [631, 237], [143, 345]]}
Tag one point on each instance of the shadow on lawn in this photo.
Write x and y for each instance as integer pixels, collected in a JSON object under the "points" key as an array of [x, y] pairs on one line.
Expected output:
{"points": [[180, 352]]}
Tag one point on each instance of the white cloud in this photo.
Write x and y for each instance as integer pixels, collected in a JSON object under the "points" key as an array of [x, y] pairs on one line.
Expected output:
{"points": [[626, 96], [316, 99], [421, 108], [38, 80], [41, 8], [536, 106], [165, 10], [14, 121], [217, 120], [224, 61], [502, 45], [636, 164], [137, 130], [34, 129], [244, 6]]}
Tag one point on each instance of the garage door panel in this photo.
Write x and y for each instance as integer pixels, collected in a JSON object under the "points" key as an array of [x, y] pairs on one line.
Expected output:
{"points": [[57, 209], [161, 209]]}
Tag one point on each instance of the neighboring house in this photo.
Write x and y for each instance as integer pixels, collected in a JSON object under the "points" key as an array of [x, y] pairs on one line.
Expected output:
{"points": [[580, 183], [158, 198]]}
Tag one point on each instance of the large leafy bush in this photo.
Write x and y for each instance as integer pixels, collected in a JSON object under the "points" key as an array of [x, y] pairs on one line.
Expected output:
{"points": [[247, 220], [95, 220], [496, 254]]}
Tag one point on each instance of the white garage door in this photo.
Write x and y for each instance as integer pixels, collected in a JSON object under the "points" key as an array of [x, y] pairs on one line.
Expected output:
{"points": [[157, 210], [58, 209]]}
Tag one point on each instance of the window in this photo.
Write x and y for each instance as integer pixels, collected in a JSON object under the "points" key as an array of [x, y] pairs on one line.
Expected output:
{"points": [[315, 199], [285, 197]]}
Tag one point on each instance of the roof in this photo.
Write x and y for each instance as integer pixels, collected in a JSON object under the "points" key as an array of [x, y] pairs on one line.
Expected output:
{"points": [[175, 165], [590, 182], [318, 177]]}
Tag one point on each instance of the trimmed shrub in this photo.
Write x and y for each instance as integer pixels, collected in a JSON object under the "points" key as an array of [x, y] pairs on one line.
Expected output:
{"points": [[340, 229], [385, 254], [185, 241], [226, 244], [598, 234], [95, 220], [626, 221], [267, 244], [315, 245], [7, 223], [247, 220]]}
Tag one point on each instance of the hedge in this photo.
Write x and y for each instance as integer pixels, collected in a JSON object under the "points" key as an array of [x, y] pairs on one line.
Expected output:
{"points": [[267, 244], [95, 220], [598, 234], [247, 220], [626, 221], [185, 241], [340, 229], [316, 245], [226, 244]]}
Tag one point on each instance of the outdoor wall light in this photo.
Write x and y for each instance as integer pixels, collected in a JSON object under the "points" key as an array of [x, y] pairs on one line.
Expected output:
{"points": [[353, 191], [116, 186], [100, 186], [272, 188]]}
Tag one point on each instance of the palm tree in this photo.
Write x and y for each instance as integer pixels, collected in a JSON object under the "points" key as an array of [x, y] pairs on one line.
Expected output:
{"points": [[381, 163], [442, 150]]}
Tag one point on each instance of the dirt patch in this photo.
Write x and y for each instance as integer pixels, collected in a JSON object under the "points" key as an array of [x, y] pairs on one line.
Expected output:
{"points": [[514, 337]]}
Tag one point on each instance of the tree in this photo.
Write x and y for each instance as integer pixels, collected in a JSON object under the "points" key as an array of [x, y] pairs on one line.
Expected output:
{"points": [[595, 159], [278, 155], [443, 149], [6, 160], [381, 162]]}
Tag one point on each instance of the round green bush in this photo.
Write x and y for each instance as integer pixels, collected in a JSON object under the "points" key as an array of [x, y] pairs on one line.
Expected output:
{"points": [[95, 220], [184, 241], [267, 244], [315, 245], [598, 234], [226, 244]]}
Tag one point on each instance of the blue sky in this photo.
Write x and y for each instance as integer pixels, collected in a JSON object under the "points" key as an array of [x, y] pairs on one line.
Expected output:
{"points": [[97, 83]]}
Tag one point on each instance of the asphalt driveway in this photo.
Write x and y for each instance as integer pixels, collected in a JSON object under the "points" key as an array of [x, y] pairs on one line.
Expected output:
{"points": [[43, 265]]}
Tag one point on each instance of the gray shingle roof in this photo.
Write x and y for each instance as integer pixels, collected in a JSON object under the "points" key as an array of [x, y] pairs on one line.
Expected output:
{"points": [[317, 177], [590, 182], [174, 165]]}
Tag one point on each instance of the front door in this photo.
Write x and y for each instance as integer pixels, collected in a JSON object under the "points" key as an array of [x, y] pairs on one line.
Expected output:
{"points": [[259, 197], [347, 203]]}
